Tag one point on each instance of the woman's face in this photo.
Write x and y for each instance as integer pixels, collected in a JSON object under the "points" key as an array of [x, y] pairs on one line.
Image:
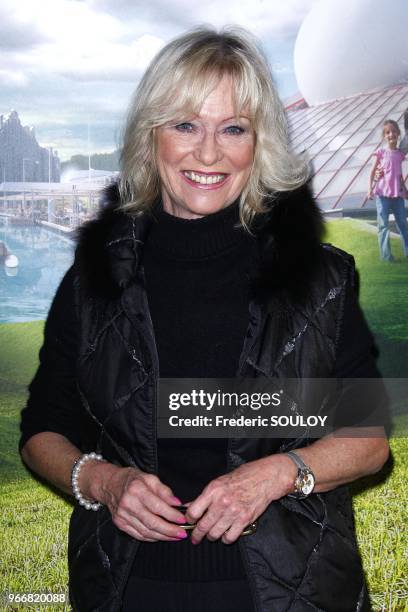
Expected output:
{"points": [[204, 161]]}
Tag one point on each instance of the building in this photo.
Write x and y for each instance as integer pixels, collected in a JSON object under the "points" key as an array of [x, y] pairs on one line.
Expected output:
{"points": [[22, 159], [340, 137], [97, 177], [351, 67]]}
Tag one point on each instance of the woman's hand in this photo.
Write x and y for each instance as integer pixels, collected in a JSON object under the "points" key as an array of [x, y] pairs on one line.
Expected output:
{"points": [[232, 501], [140, 504]]}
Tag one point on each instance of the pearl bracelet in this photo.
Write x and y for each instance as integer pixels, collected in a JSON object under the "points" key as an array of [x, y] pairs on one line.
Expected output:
{"points": [[76, 468]]}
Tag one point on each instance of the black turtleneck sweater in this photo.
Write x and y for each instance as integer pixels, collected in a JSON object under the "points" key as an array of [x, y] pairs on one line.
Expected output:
{"points": [[197, 279], [197, 283]]}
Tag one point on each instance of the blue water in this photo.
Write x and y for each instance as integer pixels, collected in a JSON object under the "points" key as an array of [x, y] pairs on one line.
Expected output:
{"points": [[44, 257]]}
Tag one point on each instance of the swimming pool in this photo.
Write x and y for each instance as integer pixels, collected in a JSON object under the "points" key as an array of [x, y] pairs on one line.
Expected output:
{"points": [[44, 257]]}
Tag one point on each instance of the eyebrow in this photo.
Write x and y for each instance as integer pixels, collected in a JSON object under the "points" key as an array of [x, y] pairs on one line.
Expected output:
{"points": [[232, 118], [196, 117]]}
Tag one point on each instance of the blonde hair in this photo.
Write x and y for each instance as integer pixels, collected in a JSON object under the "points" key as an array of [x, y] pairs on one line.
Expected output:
{"points": [[179, 79]]}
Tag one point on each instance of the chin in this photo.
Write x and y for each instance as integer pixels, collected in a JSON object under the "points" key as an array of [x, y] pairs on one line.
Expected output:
{"points": [[195, 210]]}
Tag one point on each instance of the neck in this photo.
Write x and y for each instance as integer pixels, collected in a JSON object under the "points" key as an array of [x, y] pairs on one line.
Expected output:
{"points": [[197, 238]]}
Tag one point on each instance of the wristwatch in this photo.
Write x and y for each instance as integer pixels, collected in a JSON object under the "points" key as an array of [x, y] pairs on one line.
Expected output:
{"points": [[305, 479]]}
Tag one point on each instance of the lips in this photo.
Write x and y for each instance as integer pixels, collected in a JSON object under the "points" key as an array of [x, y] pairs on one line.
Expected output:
{"points": [[204, 180]]}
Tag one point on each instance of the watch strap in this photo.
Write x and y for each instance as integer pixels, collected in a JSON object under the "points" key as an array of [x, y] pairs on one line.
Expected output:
{"points": [[297, 460]]}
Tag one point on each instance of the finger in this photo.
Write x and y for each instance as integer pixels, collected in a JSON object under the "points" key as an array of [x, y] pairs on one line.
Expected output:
{"points": [[197, 508], [158, 507], [157, 526], [167, 495], [131, 511], [219, 528], [231, 517], [153, 483], [141, 531], [180, 535], [204, 526], [141, 495], [131, 528], [233, 533], [148, 536]]}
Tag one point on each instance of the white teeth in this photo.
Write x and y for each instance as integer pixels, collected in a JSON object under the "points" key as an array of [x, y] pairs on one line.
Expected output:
{"points": [[205, 180]]}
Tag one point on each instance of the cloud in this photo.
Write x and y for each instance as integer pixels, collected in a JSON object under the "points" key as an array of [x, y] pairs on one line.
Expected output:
{"points": [[273, 16], [83, 41], [27, 23], [64, 61], [113, 62], [68, 38], [12, 78], [18, 30]]}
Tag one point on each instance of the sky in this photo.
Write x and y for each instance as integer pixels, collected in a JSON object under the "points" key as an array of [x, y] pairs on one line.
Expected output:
{"points": [[65, 64]]}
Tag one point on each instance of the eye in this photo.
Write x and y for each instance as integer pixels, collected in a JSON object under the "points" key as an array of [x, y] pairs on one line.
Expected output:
{"points": [[184, 127], [235, 130]]}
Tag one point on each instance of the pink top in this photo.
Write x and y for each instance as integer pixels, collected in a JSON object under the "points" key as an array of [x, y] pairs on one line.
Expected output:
{"points": [[390, 162]]}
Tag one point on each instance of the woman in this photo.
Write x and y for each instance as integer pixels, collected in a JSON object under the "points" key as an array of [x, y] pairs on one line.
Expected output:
{"points": [[170, 280]]}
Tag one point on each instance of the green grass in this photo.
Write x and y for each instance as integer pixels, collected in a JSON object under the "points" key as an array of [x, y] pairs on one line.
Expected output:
{"points": [[33, 538], [20, 344], [381, 509], [18, 362], [381, 519], [34, 520], [383, 291]]}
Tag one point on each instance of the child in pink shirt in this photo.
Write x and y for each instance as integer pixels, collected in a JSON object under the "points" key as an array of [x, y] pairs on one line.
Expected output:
{"points": [[389, 189]]}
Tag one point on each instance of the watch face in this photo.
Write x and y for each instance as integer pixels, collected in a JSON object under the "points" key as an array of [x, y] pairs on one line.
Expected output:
{"points": [[305, 482], [308, 483]]}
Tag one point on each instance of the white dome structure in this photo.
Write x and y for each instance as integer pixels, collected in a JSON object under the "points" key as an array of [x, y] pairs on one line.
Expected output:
{"points": [[344, 48]]}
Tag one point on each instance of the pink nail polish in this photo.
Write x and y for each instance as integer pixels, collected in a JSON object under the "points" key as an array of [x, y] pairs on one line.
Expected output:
{"points": [[194, 541], [182, 535], [181, 520], [176, 501]]}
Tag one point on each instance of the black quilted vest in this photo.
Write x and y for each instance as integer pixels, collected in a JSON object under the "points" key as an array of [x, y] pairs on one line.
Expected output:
{"points": [[304, 554]]}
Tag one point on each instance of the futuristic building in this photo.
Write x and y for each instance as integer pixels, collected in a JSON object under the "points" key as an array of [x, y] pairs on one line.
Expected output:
{"points": [[340, 138], [352, 70]]}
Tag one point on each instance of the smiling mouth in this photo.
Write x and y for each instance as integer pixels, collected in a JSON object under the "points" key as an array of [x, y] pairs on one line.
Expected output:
{"points": [[204, 179]]}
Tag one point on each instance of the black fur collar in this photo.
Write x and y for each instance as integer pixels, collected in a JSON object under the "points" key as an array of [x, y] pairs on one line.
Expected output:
{"points": [[109, 247]]}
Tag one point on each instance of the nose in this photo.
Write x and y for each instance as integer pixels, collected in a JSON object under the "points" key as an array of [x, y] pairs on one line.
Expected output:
{"points": [[207, 150]]}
